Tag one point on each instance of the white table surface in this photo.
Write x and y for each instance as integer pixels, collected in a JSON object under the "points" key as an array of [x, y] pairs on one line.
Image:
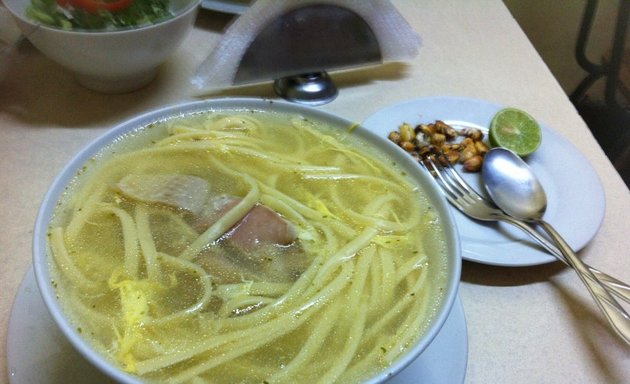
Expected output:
{"points": [[525, 325]]}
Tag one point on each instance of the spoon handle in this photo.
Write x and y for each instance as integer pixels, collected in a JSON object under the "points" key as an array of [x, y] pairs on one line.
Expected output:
{"points": [[616, 315], [613, 285]]}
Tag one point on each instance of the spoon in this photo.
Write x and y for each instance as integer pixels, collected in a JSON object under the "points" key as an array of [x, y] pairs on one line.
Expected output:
{"points": [[516, 190]]}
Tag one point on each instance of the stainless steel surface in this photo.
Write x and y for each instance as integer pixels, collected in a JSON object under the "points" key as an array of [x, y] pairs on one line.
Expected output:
{"points": [[308, 39], [512, 185], [516, 190], [310, 89], [297, 48], [463, 197]]}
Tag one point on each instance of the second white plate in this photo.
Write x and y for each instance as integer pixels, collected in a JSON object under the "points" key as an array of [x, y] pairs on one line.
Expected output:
{"points": [[576, 200], [235, 7], [37, 351]]}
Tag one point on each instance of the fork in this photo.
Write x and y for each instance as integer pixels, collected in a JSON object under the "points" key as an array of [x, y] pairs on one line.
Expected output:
{"points": [[463, 197]]}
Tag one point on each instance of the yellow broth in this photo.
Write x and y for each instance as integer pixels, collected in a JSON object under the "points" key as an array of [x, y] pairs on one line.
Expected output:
{"points": [[133, 276]]}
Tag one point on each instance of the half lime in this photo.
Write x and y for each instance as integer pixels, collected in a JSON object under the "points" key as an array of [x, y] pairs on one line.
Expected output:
{"points": [[515, 130]]}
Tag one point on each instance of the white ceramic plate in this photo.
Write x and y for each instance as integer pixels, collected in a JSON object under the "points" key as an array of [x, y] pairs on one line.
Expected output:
{"points": [[235, 7], [576, 201], [37, 351]]}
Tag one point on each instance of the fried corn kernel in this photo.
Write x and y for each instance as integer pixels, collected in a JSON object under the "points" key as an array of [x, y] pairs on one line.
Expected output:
{"points": [[408, 146], [438, 139], [407, 133], [482, 148], [473, 164], [448, 144], [446, 129], [467, 153], [394, 136], [452, 156], [473, 133]]}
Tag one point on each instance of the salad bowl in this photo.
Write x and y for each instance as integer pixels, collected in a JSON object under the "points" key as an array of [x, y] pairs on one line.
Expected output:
{"points": [[111, 60]]}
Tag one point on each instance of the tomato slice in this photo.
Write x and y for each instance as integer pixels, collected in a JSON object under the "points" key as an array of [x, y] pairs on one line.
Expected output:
{"points": [[97, 5]]}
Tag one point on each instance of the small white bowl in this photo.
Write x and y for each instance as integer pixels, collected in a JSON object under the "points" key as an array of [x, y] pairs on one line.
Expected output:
{"points": [[42, 263], [110, 61]]}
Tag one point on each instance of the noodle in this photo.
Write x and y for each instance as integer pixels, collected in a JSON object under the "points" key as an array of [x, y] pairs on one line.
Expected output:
{"points": [[172, 296], [226, 222], [146, 243], [62, 257]]}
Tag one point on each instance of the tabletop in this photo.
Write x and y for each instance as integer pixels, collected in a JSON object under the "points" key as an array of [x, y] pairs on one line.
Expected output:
{"points": [[525, 325]]}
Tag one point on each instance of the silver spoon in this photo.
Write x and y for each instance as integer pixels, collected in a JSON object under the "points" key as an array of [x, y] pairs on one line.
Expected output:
{"points": [[516, 190]]}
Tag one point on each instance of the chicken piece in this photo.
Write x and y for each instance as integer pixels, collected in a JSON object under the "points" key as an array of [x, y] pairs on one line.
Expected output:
{"points": [[262, 245], [185, 192], [260, 226]]}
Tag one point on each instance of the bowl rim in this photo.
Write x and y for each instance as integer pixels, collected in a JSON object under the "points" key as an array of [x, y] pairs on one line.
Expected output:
{"points": [[69, 171], [191, 5]]}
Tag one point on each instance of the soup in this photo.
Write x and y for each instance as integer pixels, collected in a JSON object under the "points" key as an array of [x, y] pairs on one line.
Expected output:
{"points": [[250, 247]]}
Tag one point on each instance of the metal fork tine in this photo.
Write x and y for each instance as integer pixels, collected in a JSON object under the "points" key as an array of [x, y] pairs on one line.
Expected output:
{"points": [[461, 182], [464, 190], [428, 164], [455, 181], [450, 178], [453, 195], [438, 174]]}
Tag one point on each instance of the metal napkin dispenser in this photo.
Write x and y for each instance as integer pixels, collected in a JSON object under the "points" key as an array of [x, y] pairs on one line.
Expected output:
{"points": [[295, 43]]}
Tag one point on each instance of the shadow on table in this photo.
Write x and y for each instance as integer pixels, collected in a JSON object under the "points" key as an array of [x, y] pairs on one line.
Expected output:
{"points": [[497, 276], [592, 330], [41, 92], [342, 79]]}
